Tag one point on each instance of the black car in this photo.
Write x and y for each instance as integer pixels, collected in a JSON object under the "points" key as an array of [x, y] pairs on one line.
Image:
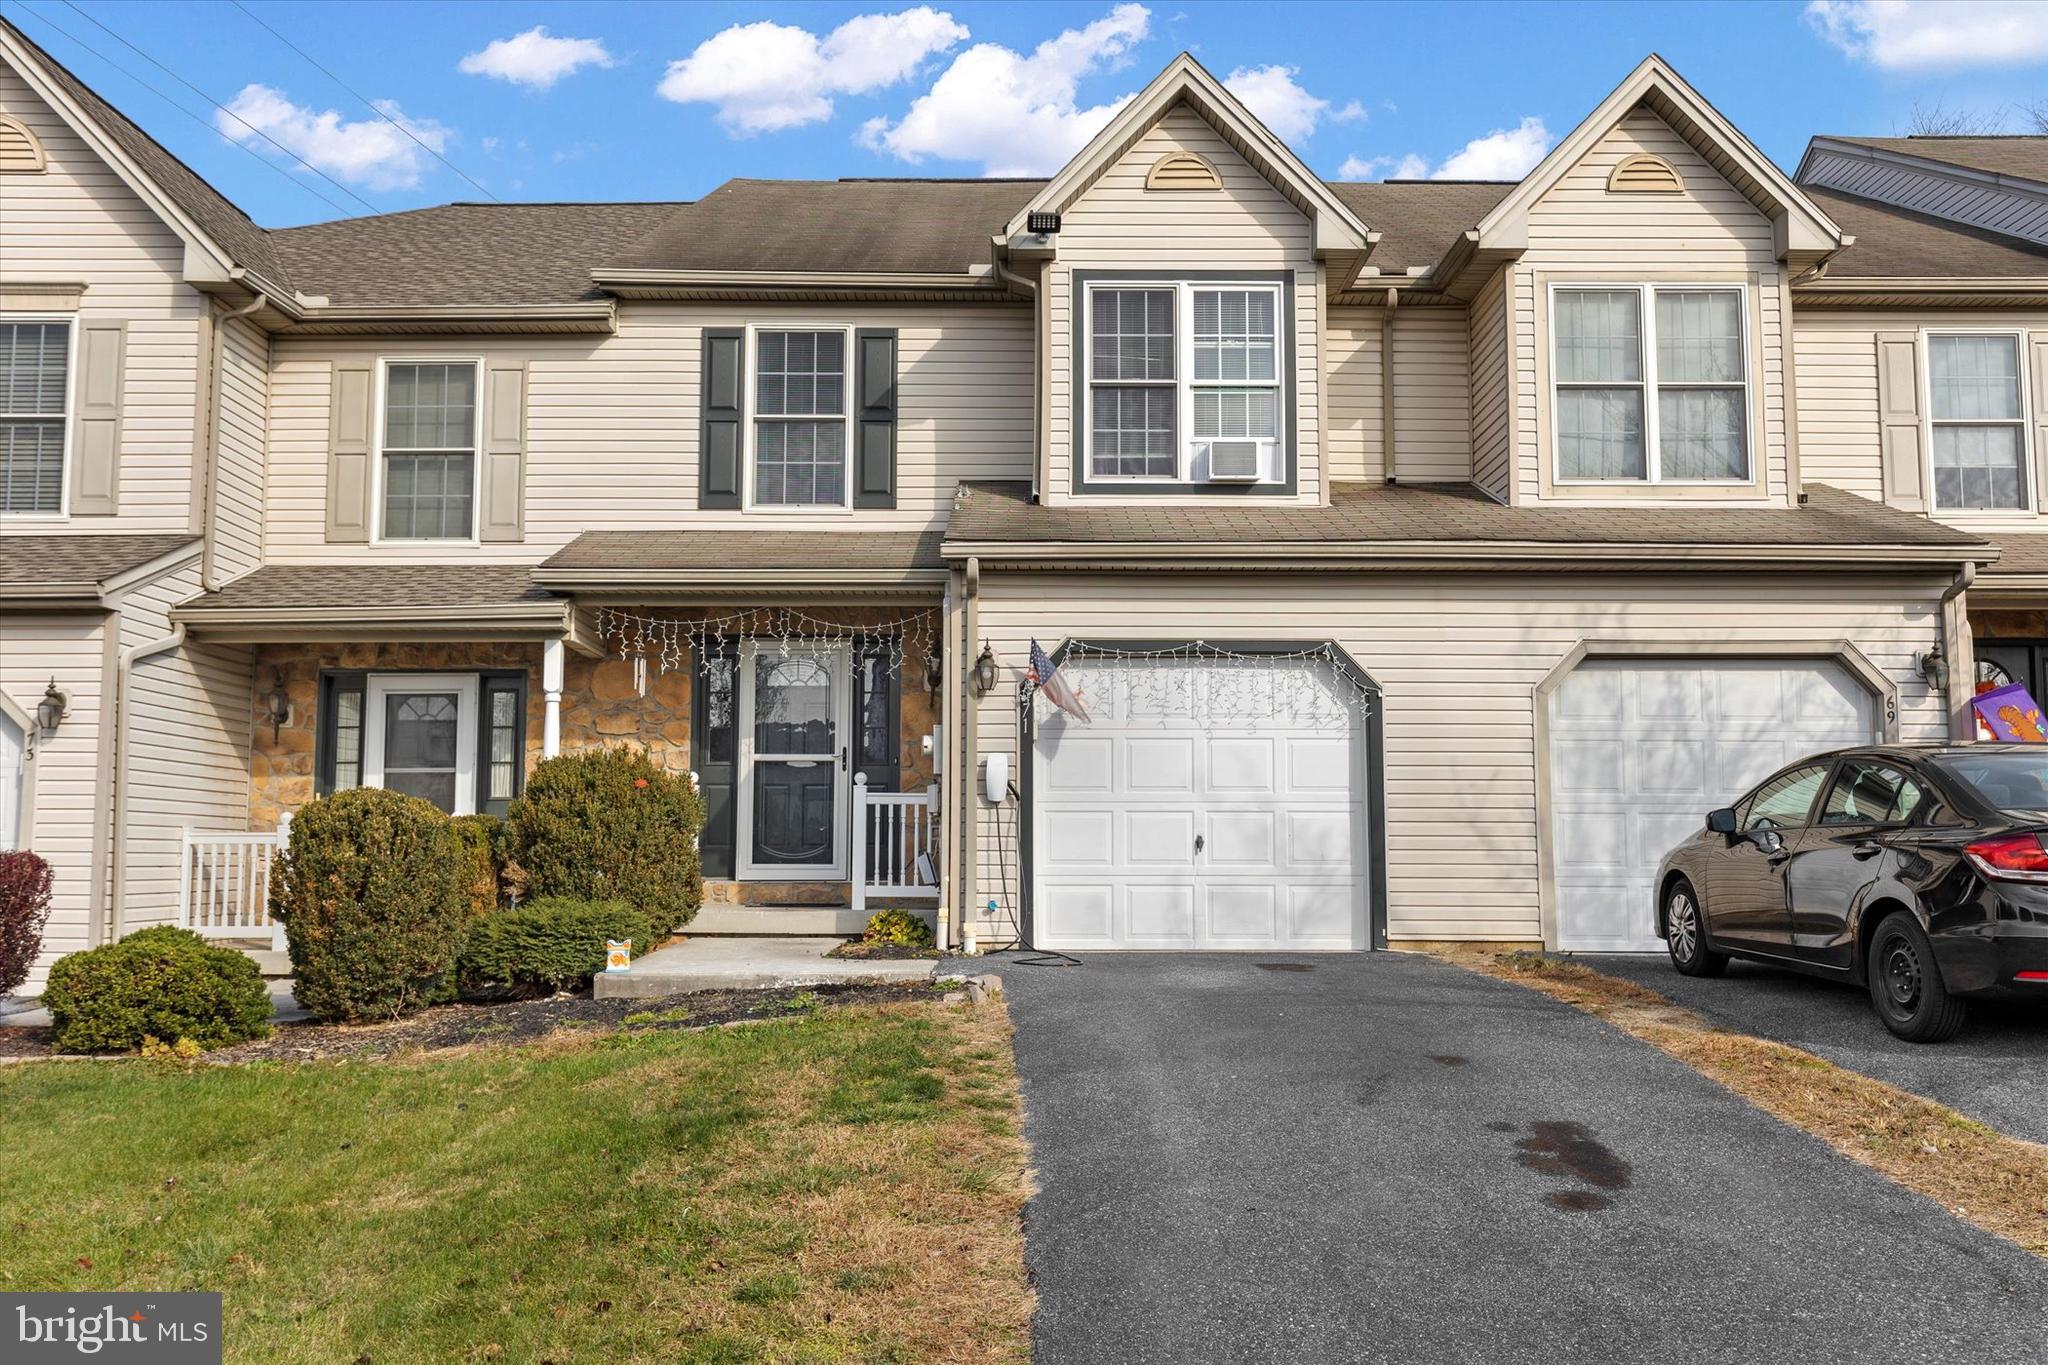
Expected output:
{"points": [[1921, 871]]}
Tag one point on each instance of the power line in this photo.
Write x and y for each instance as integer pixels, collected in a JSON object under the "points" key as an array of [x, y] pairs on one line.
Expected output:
{"points": [[366, 102], [223, 108], [260, 158]]}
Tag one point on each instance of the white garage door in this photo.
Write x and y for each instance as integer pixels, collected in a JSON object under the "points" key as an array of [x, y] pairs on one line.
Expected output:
{"points": [[1205, 805], [1640, 752]]}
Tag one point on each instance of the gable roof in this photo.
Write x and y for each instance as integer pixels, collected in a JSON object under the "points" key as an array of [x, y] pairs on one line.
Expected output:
{"points": [[1802, 228], [2024, 155], [1186, 81], [235, 235]]}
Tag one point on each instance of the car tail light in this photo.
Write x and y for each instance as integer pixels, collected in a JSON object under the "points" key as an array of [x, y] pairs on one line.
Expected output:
{"points": [[2041, 977], [2011, 857]]}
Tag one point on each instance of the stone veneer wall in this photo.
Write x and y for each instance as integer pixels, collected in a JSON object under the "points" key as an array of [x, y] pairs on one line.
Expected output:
{"points": [[600, 706]]}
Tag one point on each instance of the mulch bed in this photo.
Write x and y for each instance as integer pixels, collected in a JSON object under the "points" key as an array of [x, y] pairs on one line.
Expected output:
{"points": [[514, 1022], [882, 952]]}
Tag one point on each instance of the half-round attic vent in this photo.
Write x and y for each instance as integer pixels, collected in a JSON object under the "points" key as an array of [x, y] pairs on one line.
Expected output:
{"points": [[20, 153], [1644, 174], [1182, 171]]}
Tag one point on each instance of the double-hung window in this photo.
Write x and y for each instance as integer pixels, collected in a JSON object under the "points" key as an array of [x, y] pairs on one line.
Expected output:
{"points": [[35, 396], [1977, 408], [1183, 382], [429, 450], [800, 419], [1651, 384]]}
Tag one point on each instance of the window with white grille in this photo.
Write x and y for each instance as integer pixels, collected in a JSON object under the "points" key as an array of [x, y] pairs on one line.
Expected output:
{"points": [[800, 399], [429, 450], [35, 392], [1976, 402]]}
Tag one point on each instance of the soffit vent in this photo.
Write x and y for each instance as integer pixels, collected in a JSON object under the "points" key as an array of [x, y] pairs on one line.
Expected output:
{"points": [[1644, 174], [20, 153], [1182, 171]]}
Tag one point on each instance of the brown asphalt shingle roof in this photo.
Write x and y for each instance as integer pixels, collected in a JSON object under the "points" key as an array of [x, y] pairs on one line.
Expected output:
{"points": [[2021, 553], [1419, 219], [1892, 242], [1001, 512], [466, 253], [2024, 155], [373, 586], [28, 560], [726, 549]]}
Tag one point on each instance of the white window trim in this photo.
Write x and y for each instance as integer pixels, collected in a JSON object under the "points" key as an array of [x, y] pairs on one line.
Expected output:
{"points": [[1653, 455], [71, 381], [466, 688], [377, 452], [1183, 382], [2028, 498], [748, 417]]}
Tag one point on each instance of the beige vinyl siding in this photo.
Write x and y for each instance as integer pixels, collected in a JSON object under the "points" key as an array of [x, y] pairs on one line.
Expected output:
{"points": [[1840, 441], [78, 223], [612, 424], [34, 650], [244, 397], [1459, 657], [1248, 225], [1578, 231], [189, 713], [1432, 410], [1492, 435], [1354, 431]]}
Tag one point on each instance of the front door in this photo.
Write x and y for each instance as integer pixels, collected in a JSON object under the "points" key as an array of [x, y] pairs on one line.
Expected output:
{"points": [[421, 737], [794, 712]]}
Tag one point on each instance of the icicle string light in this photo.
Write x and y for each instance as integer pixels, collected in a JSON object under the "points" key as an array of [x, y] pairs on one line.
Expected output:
{"points": [[1213, 686]]}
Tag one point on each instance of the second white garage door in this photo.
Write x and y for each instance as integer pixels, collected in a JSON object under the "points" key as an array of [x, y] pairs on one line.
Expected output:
{"points": [[1205, 806], [1641, 751]]}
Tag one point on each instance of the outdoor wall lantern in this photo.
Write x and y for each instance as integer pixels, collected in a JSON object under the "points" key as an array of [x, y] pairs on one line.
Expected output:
{"points": [[1933, 668], [985, 675], [935, 671], [52, 709], [277, 704]]}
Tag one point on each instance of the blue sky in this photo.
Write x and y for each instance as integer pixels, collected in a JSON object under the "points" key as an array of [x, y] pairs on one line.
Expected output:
{"points": [[665, 101]]}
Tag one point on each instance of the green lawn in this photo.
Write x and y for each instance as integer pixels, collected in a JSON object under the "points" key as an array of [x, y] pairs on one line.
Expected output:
{"points": [[838, 1187]]}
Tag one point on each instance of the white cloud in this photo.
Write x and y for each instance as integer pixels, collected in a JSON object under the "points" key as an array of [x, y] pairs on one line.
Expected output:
{"points": [[1918, 35], [1016, 115], [766, 76], [1272, 93], [370, 152], [1409, 167], [535, 59], [1503, 154]]}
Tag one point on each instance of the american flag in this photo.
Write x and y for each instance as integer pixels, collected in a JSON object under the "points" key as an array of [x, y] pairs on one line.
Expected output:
{"points": [[1047, 679]]}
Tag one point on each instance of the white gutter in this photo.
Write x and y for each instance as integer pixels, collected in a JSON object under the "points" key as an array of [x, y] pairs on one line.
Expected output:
{"points": [[117, 911]]}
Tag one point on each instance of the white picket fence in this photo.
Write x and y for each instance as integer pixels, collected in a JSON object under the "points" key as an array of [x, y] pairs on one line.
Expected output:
{"points": [[895, 843], [224, 884]]}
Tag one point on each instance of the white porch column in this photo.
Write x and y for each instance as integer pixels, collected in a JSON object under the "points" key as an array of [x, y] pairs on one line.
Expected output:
{"points": [[551, 654]]}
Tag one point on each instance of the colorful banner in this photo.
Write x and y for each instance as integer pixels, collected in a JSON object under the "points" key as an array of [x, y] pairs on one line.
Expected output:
{"points": [[2011, 714]]}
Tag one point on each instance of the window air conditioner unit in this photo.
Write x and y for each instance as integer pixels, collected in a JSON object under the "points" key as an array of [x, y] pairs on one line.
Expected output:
{"points": [[1234, 461]]}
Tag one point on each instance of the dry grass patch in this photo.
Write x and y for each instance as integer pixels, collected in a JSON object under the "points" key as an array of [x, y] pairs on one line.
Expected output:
{"points": [[1997, 1182]]}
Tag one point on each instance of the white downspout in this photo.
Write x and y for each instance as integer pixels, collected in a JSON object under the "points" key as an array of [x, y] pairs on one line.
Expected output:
{"points": [[1960, 652], [551, 656], [117, 907]]}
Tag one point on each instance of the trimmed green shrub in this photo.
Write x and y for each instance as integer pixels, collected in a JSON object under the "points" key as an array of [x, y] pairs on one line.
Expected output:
{"points": [[898, 927], [371, 892], [606, 824], [485, 842], [547, 945], [162, 983], [24, 910]]}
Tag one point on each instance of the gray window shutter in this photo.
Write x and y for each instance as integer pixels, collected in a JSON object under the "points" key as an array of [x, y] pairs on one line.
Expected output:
{"points": [[96, 445], [348, 456], [1898, 407], [719, 444], [875, 479], [2038, 344], [504, 455]]}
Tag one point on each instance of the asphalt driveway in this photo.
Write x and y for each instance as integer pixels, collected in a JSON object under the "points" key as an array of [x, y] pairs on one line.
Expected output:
{"points": [[1996, 1070], [1384, 1158]]}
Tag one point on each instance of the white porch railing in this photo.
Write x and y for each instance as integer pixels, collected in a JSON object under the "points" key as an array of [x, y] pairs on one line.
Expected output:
{"points": [[895, 836], [224, 885]]}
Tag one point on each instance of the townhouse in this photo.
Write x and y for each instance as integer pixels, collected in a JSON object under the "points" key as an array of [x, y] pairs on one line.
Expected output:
{"points": [[1419, 560]]}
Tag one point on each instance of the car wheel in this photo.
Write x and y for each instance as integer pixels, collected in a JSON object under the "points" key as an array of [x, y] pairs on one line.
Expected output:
{"points": [[1905, 984], [1685, 933]]}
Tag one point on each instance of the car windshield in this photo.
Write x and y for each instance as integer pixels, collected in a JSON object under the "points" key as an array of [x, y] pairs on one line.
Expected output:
{"points": [[2009, 779]]}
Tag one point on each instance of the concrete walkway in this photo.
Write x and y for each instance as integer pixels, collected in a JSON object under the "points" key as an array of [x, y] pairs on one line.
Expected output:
{"points": [[25, 1013], [710, 964]]}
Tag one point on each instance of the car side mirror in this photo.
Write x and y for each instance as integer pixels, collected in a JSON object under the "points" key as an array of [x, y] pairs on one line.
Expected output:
{"points": [[1721, 821]]}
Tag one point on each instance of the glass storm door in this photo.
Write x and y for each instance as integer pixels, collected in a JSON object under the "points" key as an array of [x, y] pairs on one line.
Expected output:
{"points": [[793, 761], [421, 738]]}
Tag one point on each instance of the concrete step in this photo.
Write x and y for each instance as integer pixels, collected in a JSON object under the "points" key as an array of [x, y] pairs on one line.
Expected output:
{"points": [[705, 964], [769, 921]]}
